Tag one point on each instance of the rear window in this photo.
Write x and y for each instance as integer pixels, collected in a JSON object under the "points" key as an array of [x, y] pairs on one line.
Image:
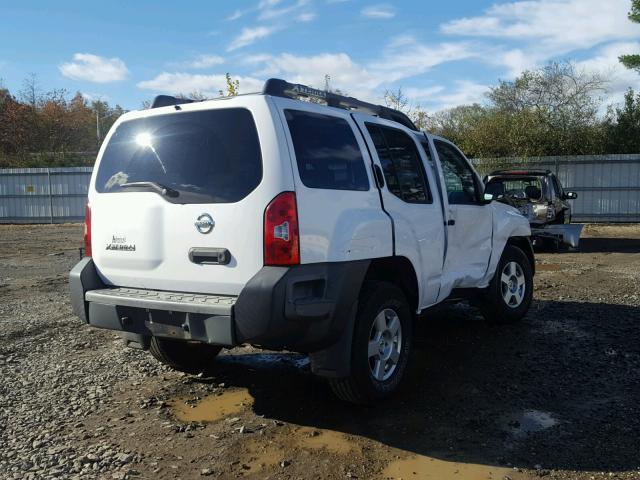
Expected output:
{"points": [[210, 156], [327, 152], [530, 188]]}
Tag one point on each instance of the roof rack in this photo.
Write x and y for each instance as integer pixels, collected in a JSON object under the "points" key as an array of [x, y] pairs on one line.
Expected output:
{"points": [[520, 171], [168, 101], [282, 88]]}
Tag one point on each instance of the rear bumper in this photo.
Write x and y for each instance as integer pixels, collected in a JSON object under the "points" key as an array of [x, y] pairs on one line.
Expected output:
{"points": [[304, 308]]}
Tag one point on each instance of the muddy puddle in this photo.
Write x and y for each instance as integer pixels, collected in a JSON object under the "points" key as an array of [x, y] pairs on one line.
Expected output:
{"points": [[529, 421], [428, 468], [315, 439], [212, 408]]}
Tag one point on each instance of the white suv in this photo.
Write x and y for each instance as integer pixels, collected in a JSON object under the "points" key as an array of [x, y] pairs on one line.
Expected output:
{"points": [[266, 220]]}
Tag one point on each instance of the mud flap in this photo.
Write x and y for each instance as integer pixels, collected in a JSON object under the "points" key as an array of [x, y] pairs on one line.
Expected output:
{"points": [[335, 361]]}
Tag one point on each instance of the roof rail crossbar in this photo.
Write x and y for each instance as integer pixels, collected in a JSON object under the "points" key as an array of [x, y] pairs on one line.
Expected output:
{"points": [[169, 100], [282, 88], [520, 171]]}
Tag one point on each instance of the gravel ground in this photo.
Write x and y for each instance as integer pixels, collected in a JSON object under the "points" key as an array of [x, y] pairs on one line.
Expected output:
{"points": [[556, 396]]}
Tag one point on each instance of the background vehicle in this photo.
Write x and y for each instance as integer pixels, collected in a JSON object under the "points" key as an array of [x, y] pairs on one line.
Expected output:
{"points": [[539, 196], [285, 224]]}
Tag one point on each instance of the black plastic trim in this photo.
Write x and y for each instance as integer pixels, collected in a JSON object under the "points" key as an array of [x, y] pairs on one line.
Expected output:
{"points": [[302, 308]]}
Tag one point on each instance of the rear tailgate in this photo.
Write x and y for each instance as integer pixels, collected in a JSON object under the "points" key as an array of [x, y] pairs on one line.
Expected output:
{"points": [[219, 172]]}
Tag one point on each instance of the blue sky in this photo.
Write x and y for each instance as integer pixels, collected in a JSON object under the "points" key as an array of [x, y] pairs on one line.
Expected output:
{"points": [[442, 54]]}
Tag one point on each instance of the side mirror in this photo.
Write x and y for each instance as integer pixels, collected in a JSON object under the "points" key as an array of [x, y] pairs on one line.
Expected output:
{"points": [[570, 196], [489, 197]]}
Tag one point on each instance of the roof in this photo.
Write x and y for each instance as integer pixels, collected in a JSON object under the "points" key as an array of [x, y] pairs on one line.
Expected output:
{"points": [[281, 88]]}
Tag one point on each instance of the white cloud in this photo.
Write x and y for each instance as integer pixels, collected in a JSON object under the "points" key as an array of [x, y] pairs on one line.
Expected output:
{"points": [[306, 17], [268, 3], [267, 12], [204, 61], [185, 83], [422, 94], [235, 15], [378, 11], [345, 74], [466, 92], [605, 61], [94, 68], [556, 26], [406, 57], [250, 35]]}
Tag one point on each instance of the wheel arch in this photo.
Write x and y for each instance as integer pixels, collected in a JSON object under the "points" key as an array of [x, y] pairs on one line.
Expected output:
{"points": [[524, 244], [397, 270]]}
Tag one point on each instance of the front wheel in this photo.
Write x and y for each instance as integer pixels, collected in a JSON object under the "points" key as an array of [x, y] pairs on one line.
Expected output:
{"points": [[509, 295], [381, 345], [183, 356]]}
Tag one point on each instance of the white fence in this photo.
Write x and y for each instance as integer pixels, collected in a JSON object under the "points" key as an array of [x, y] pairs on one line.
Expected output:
{"points": [[608, 188]]}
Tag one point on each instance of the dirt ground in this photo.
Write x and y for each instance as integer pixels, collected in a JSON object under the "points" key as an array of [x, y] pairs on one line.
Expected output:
{"points": [[555, 396]]}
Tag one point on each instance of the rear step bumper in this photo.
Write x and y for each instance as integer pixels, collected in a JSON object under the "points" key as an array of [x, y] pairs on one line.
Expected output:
{"points": [[305, 308], [157, 300]]}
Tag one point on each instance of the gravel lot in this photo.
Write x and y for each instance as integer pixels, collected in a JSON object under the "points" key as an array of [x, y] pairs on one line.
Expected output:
{"points": [[556, 396]]}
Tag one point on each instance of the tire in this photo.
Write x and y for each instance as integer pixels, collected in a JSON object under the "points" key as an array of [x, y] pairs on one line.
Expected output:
{"points": [[183, 356], [384, 320], [504, 301]]}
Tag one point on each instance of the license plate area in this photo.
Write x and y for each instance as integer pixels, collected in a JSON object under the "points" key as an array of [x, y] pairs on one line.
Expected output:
{"points": [[168, 324]]}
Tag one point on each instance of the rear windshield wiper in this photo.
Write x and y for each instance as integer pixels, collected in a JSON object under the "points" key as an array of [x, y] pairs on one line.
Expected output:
{"points": [[158, 187]]}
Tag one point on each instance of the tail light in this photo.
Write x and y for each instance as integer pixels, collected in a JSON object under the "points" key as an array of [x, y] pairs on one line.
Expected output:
{"points": [[87, 231], [281, 237]]}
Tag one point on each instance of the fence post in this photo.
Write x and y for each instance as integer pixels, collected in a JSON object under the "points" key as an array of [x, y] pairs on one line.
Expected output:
{"points": [[50, 196]]}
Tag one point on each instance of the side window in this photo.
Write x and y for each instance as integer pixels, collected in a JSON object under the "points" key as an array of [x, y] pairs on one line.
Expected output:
{"points": [[327, 152], [458, 176], [401, 164]]}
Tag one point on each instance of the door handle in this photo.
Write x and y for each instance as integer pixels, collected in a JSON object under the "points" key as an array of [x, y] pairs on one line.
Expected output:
{"points": [[451, 222], [210, 256]]}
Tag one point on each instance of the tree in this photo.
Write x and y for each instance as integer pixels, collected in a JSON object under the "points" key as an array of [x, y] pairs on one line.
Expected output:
{"points": [[623, 125], [633, 61], [397, 100], [233, 87], [560, 101]]}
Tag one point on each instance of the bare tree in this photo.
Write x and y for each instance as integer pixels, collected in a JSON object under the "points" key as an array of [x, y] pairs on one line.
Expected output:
{"points": [[31, 92]]}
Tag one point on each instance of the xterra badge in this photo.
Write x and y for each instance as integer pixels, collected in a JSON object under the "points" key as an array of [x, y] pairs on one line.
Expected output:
{"points": [[119, 242], [205, 223]]}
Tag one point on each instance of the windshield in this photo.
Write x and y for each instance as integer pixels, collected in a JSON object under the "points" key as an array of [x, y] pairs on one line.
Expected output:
{"points": [[210, 156], [518, 188]]}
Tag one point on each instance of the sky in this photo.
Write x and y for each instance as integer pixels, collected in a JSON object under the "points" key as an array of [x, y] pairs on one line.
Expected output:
{"points": [[441, 54]]}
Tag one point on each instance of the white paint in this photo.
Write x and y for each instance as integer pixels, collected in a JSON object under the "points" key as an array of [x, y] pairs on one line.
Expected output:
{"points": [[335, 225], [164, 232]]}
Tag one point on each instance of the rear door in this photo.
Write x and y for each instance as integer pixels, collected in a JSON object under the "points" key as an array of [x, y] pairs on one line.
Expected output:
{"points": [[175, 188], [408, 197], [469, 221], [339, 213]]}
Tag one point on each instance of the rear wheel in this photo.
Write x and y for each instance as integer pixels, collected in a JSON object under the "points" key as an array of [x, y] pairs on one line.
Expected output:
{"points": [[183, 356], [381, 345], [509, 295]]}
